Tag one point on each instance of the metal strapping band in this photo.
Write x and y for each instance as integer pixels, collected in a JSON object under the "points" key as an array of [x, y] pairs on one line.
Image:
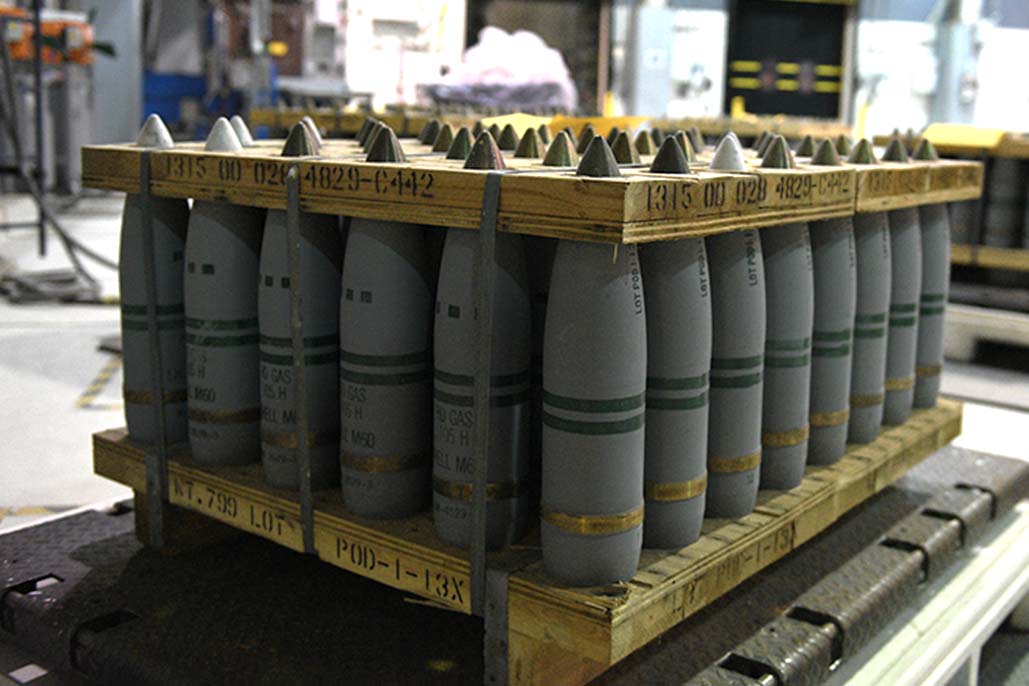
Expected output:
{"points": [[928, 370], [248, 414], [296, 319], [156, 462], [867, 399], [824, 419], [673, 491], [731, 465], [495, 490], [784, 439], [134, 397], [593, 525], [900, 384], [484, 286], [385, 463], [288, 439]]}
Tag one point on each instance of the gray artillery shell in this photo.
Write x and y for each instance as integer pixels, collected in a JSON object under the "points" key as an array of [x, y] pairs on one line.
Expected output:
{"points": [[1005, 203], [868, 369], [935, 232], [594, 385], [905, 290], [678, 300], [385, 361], [170, 218], [454, 359], [832, 246], [790, 294], [737, 366], [540, 261], [963, 220], [221, 333], [321, 254]]}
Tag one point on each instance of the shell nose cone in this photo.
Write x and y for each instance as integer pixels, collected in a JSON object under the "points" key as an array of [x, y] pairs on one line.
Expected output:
{"points": [[826, 155], [598, 161], [154, 134], [386, 147], [670, 158], [242, 132], [862, 153], [777, 154], [299, 143], [485, 154], [729, 155], [222, 138]]}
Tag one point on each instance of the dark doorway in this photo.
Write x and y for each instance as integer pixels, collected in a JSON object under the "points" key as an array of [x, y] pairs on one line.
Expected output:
{"points": [[786, 57]]}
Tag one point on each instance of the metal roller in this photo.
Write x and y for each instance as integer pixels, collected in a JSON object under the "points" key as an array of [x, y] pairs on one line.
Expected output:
{"points": [[868, 367], [222, 261], [321, 254], [935, 233], [594, 384], [385, 340], [169, 220], [789, 304], [737, 359], [835, 270], [678, 304], [454, 360]]}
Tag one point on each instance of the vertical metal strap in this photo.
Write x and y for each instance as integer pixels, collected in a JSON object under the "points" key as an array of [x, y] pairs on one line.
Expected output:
{"points": [[157, 457], [494, 644], [483, 282], [296, 323]]}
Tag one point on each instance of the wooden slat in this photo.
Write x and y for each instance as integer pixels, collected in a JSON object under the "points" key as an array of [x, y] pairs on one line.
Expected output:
{"points": [[404, 553], [990, 257]]}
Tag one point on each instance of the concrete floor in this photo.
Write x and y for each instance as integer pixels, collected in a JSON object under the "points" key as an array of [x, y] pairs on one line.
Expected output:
{"points": [[49, 357]]}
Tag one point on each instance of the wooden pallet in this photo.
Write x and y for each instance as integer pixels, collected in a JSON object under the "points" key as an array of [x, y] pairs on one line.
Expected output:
{"points": [[556, 635], [970, 141], [987, 256], [545, 201], [338, 123], [753, 126]]}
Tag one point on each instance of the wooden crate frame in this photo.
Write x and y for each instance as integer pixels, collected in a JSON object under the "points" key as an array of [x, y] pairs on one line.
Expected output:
{"points": [[556, 635], [635, 208]]}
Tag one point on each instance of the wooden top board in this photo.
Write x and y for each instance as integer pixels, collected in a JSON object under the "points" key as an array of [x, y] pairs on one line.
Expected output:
{"points": [[583, 630], [972, 141], [546, 201]]}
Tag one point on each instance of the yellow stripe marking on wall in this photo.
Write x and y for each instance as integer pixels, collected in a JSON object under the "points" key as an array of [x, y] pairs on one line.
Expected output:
{"points": [[788, 68], [747, 83], [827, 86], [828, 70], [787, 84], [745, 65]]}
